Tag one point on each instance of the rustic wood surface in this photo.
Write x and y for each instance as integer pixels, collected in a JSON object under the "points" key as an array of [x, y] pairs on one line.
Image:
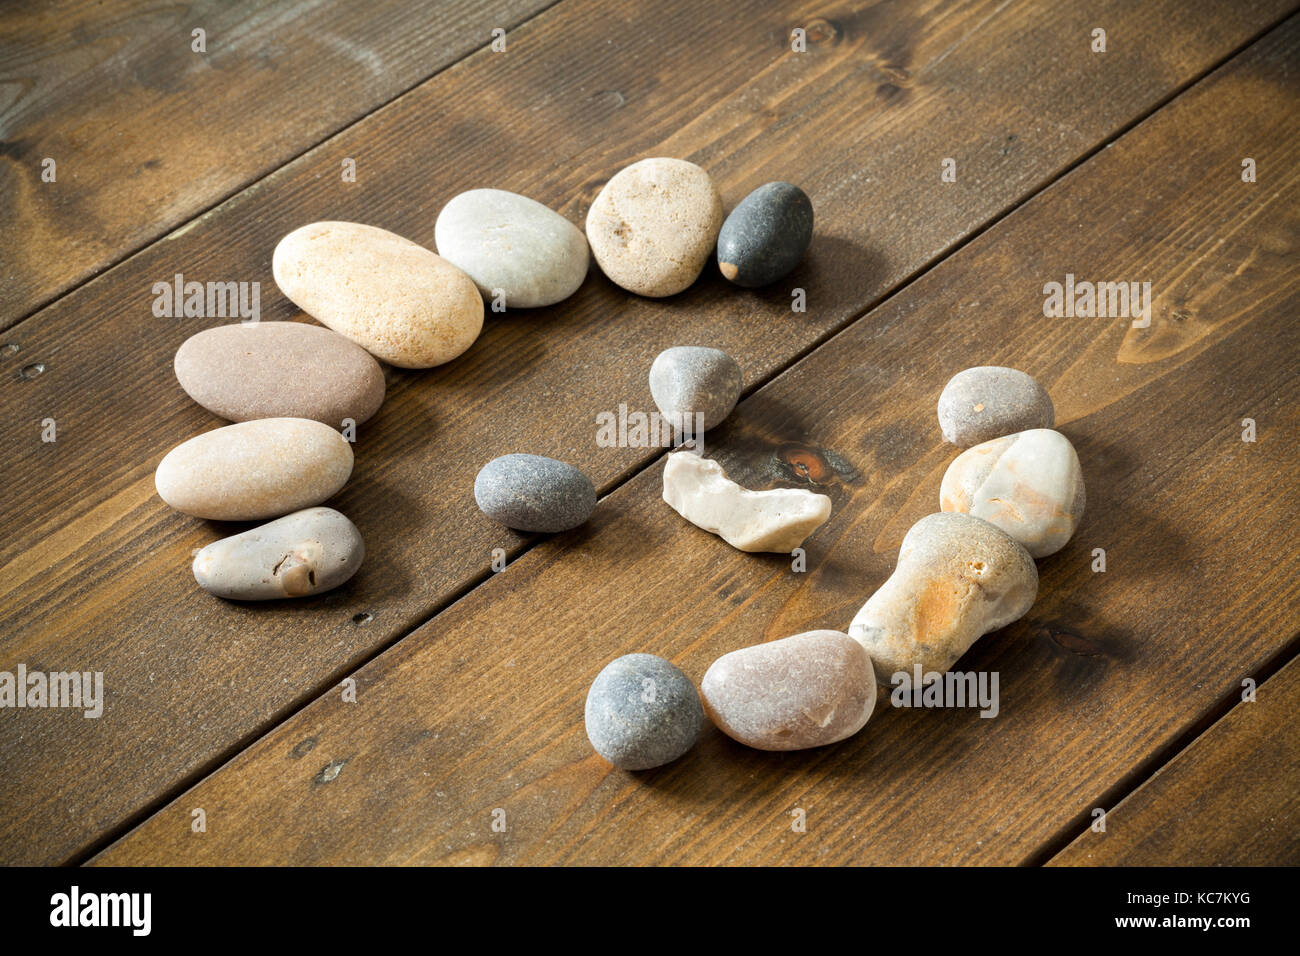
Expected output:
{"points": [[481, 709], [146, 133], [95, 574], [1230, 799]]}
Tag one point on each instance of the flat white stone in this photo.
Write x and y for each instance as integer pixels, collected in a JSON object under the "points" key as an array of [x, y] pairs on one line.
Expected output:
{"points": [[1028, 484], [514, 245], [777, 520]]}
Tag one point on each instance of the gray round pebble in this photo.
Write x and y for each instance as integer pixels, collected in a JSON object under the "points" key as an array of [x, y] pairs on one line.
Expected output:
{"points": [[991, 401], [766, 235], [642, 712], [534, 493], [687, 379]]}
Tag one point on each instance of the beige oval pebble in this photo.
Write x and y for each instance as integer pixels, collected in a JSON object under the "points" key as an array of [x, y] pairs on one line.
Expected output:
{"points": [[802, 691], [397, 300], [280, 370], [255, 470], [653, 226], [303, 553], [1028, 484]]}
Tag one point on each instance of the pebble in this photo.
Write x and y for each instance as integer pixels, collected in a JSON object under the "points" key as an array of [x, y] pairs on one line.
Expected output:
{"points": [[534, 493], [766, 235], [512, 245], [280, 370], [1028, 484], [642, 712], [654, 225], [957, 578], [304, 553], [990, 401], [397, 300], [255, 470], [777, 520], [687, 380], [802, 691]]}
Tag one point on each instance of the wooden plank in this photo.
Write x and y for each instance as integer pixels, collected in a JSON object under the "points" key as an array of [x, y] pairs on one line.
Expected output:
{"points": [[1232, 798], [481, 709], [96, 573], [146, 133]]}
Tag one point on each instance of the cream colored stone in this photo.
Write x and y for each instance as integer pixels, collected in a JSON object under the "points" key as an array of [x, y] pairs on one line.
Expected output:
{"points": [[777, 520], [397, 300], [957, 578], [802, 691], [254, 470], [1028, 484], [653, 226]]}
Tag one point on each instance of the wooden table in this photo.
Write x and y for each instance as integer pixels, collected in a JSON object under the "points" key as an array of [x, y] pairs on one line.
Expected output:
{"points": [[1121, 691]]}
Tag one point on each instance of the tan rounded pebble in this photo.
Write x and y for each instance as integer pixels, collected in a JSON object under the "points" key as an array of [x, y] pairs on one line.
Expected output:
{"points": [[280, 370], [957, 578], [802, 691], [397, 300], [1028, 484], [304, 553], [654, 225], [255, 470]]}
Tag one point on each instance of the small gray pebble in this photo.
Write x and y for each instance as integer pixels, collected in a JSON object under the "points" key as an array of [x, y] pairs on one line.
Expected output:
{"points": [[687, 379], [990, 401], [642, 712], [534, 493], [766, 235]]}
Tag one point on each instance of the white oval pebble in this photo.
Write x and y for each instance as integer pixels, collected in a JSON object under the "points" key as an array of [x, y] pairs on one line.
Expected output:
{"points": [[512, 247]]}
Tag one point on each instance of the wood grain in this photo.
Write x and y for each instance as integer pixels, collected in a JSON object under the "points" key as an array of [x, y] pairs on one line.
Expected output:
{"points": [[1232, 798], [146, 133], [481, 708]]}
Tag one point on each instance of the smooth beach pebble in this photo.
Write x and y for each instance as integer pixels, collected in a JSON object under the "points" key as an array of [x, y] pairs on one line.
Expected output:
{"points": [[512, 245], [766, 235], [957, 578], [1028, 484], [254, 470], [688, 380], [300, 554], [534, 493], [654, 225], [397, 300], [803, 691], [990, 401], [280, 370], [642, 712]]}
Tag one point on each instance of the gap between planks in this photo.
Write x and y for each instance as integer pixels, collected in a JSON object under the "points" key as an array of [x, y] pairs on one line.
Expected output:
{"points": [[1126, 786]]}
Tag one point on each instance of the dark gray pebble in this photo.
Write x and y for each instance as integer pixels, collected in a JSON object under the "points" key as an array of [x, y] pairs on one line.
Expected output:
{"points": [[534, 493], [766, 235], [642, 712]]}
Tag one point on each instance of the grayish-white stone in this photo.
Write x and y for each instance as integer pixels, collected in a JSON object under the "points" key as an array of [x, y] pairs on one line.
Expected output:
{"points": [[687, 380], [987, 402], [509, 243]]}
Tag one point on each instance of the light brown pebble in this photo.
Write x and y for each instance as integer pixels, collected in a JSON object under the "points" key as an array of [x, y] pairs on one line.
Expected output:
{"points": [[803, 691], [397, 300], [280, 370], [957, 578], [654, 225], [255, 470]]}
